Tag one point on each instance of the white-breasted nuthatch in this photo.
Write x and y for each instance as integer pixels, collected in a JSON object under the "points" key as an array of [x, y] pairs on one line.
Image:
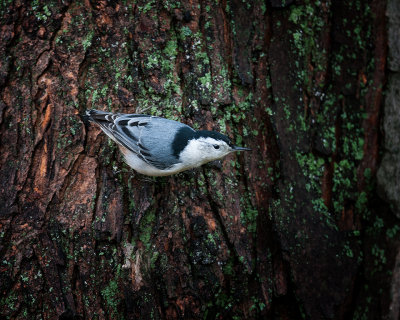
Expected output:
{"points": [[156, 146]]}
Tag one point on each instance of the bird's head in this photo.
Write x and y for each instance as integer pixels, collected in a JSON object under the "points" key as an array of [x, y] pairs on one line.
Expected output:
{"points": [[207, 146]]}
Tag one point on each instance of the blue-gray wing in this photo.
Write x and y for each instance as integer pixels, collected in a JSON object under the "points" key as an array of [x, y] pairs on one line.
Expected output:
{"points": [[149, 137]]}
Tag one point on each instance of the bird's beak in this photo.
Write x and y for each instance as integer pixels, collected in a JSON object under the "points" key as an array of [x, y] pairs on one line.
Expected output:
{"points": [[236, 148]]}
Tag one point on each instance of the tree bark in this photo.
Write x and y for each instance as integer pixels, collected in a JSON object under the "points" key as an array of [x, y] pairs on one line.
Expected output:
{"points": [[294, 229]]}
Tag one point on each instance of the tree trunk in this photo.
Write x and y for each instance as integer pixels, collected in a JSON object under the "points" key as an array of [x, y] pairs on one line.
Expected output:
{"points": [[293, 229]]}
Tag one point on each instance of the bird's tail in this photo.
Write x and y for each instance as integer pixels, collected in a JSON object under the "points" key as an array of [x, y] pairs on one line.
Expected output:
{"points": [[105, 120], [100, 116]]}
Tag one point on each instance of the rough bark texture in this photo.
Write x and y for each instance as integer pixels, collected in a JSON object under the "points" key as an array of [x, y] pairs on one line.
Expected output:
{"points": [[388, 175], [294, 229]]}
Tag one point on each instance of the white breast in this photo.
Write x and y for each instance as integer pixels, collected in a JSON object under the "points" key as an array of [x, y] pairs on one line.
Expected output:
{"points": [[142, 167]]}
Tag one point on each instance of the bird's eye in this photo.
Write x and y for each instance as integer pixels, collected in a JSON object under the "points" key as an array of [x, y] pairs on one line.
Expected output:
{"points": [[216, 146]]}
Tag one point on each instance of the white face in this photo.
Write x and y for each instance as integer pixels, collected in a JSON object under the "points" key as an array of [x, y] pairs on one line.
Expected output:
{"points": [[203, 150], [213, 149]]}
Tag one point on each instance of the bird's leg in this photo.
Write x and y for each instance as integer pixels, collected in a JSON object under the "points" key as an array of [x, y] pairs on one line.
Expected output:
{"points": [[216, 164]]}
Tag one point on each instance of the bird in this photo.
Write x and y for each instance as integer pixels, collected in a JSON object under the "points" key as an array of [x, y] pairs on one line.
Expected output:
{"points": [[155, 146]]}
